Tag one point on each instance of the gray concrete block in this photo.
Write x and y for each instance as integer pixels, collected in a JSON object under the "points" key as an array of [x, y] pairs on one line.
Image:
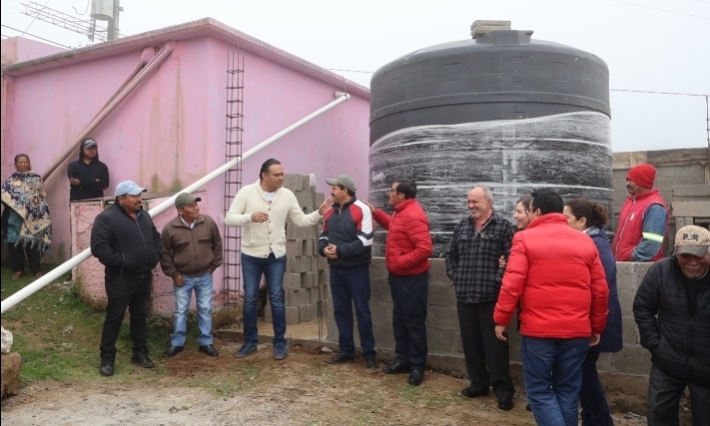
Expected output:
{"points": [[630, 333], [691, 191], [305, 200], [633, 359], [294, 247], [380, 290], [318, 294], [297, 297], [309, 247], [378, 268], [604, 362], [381, 313], [292, 281], [692, 208], [441, 340], [309, 279], [443, 317], [384, 338], [442, 294], [293, 315], [299, 264], [307, 312], [294, 182]]}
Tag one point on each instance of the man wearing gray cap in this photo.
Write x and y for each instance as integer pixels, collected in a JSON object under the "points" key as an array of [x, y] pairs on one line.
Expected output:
{"points": [[126, 241], [192, 250], [346, 241], [672, 311]]}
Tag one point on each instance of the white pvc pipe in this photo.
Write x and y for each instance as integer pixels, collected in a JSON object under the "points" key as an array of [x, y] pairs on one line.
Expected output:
{"points": [[67, 266]]}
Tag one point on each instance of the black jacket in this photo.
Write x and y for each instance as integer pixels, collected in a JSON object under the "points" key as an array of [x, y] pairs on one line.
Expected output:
{"points": [[678, 338], [125, 246], [88, 174]]}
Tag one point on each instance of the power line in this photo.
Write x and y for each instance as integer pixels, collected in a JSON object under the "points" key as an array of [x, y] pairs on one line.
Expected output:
{"points": [[33, 20], [662, 10], [11, 7], [41, 38], [652, 92]]}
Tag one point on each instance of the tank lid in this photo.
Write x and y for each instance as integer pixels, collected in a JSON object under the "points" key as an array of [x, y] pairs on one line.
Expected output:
{"points": [[480, 28]]}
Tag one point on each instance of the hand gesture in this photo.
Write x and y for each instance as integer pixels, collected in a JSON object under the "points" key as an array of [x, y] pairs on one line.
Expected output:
{"points": [[259, 217], [74, 182], [502, 333], [331, 251], [325, 206], [594, 340], [373, 209]]}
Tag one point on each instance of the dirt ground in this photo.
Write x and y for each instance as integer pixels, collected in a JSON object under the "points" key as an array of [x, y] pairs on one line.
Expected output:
{"points": [[301, 390]]}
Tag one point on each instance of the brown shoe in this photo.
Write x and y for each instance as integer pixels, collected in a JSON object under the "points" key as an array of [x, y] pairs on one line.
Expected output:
{"points": [[38, 274], [17, 275]]}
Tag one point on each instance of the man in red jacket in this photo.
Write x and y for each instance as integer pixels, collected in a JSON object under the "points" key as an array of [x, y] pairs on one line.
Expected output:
{"points": [[643, 221], [554, 274], [407, 255]]}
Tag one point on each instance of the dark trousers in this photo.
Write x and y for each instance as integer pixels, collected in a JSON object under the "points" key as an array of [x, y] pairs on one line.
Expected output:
{"points": [[595, 410], [409, 299], [481, 347], [17, 258], [132, 293], [351, 286], [664, 392]]}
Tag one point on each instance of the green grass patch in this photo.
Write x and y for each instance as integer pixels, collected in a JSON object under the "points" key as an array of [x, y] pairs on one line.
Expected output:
{"points": [[58, 336]]}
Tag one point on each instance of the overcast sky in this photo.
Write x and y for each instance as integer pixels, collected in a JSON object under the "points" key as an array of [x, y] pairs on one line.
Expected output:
{"points": [[649, 45]]}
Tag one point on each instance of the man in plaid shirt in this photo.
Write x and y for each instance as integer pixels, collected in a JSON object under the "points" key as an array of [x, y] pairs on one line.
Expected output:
{"points": [[472, 263]]}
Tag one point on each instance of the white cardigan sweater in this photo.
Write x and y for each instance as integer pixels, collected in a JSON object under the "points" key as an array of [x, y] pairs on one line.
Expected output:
{"points": [[259, 239]]}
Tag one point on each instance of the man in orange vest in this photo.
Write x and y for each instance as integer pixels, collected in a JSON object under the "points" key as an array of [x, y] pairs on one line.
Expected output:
{"points": [[643, 221]]}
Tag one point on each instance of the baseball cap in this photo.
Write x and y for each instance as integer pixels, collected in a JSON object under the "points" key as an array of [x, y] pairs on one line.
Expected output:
{"points": [[128, 187], [88, 143], [691, 239], [343, 180], [184, 199]]}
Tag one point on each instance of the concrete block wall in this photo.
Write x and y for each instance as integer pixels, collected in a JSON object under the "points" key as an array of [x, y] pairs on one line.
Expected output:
{"points": [[305, 279], [625, 372]]}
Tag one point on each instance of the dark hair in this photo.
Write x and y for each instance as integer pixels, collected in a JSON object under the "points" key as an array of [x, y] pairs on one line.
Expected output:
{"points": [[547, 200], [350, 192], [18, 156], [406, 187], [265, 167], [525, 201], [594, 213]]}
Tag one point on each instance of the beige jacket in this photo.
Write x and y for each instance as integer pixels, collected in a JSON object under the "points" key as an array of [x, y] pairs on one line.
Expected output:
{"points": [[259, 239]]}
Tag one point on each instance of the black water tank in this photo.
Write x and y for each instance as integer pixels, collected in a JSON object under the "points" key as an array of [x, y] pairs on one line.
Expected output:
{"points": [[501, 110]]}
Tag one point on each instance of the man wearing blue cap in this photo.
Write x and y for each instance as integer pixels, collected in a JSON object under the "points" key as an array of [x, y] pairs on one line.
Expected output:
{"points": [[126, 241]]}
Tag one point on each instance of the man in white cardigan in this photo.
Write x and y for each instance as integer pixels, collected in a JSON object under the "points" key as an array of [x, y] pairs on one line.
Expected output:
{"points": [[262, 208]]}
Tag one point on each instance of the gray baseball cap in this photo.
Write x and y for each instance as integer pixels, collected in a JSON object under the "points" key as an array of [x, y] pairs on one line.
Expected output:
{"points": [[184, 199], [343, 180]]}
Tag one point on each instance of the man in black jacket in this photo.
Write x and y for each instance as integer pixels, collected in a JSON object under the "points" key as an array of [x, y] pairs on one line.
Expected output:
{"points": [[346, 241], [672, 311], [126, 241], [88, 176]]}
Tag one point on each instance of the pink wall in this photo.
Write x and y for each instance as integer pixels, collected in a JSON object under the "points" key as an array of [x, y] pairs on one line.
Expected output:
{"points": [[170, 131]]}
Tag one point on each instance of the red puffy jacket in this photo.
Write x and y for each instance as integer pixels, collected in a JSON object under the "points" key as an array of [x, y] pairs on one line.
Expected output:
{"points": [[409, 245], [556, 274]]}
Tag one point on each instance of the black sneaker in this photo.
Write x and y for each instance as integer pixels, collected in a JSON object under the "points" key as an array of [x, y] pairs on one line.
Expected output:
{"points": [[172, 351], [209, 350], [371, 363], [142, 359], [106, 368]]}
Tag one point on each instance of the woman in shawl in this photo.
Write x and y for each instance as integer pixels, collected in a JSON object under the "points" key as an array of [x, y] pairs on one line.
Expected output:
{"points": [[26, 225]]}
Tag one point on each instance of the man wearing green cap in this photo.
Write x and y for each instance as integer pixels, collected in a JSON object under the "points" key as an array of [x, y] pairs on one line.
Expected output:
{"points": [[192, 250]]}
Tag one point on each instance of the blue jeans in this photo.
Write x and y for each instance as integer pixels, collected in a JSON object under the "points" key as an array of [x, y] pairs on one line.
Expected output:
{"points": [[203, 296], [553, 377], [273, 269], [352, 286]]}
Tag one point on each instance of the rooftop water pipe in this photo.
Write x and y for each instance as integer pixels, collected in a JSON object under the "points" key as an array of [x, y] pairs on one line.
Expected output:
{"points": [[55, 273], [148, 63]]}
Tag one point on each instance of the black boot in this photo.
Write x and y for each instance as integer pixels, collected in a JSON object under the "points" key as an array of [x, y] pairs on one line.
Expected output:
{"points": [[107, 363], [140, 357]]}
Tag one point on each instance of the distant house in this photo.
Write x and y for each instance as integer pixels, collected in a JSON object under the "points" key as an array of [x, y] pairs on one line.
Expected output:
{"points": [[170, 130]]}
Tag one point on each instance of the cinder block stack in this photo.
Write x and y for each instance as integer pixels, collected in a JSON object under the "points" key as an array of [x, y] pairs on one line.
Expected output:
{"points": [[306, 278]]}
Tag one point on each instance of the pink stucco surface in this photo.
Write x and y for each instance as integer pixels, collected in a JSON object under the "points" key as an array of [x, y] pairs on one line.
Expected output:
{"points": [[170, 131]]}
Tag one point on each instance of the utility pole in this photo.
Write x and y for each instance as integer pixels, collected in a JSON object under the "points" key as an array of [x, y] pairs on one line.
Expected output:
{"points": [[113, 29]]}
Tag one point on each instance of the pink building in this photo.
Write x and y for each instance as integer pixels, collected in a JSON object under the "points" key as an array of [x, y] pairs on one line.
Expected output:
{"points": [[170, 130]]}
